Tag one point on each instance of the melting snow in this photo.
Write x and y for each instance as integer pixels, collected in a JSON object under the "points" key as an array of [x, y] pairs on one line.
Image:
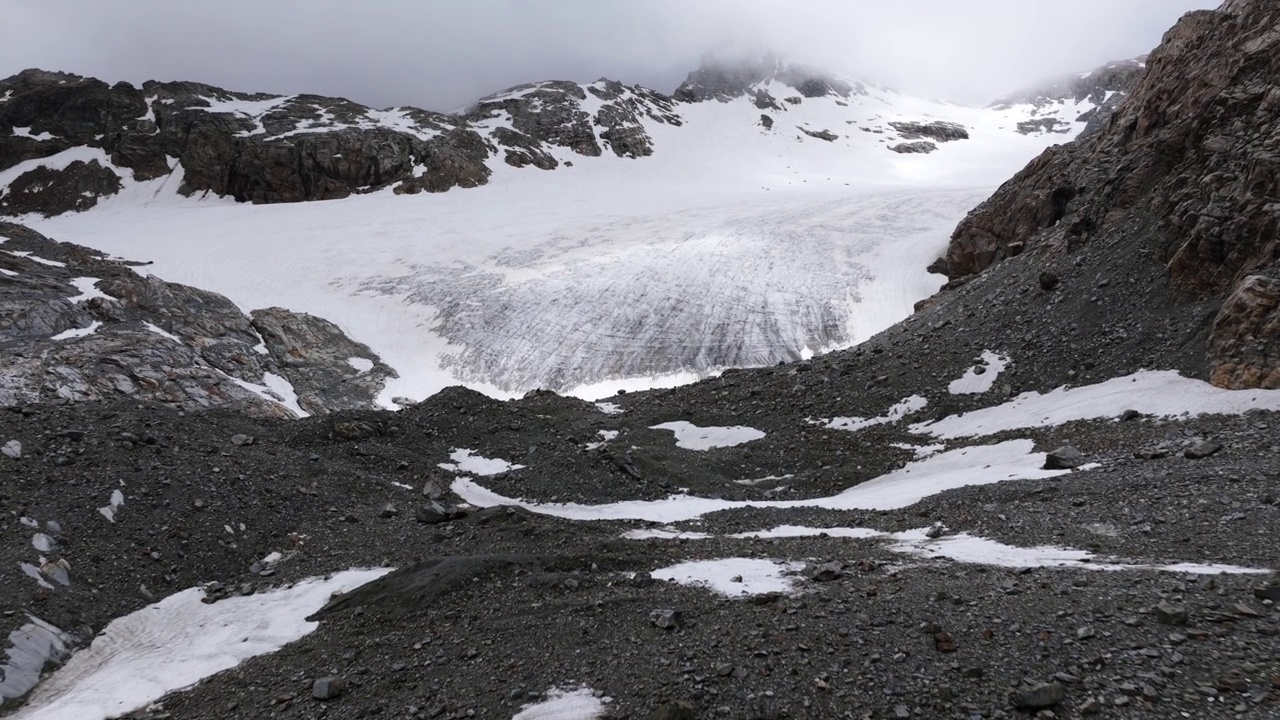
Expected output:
{"points": [[161, 332], [26, 132], [692, 437], [980, 465], [973, 382], [177, 642], [117, 500], [361, 365], [276, 389], [734, 577], [609, 408], [1163, 393], [580, 704], [88, 287], [466, 461], [30, 648], [35, 258], [77, 332], [905, 407]]}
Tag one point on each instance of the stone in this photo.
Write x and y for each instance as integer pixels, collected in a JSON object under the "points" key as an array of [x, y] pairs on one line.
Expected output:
{"points": [[1064, 458], [1168, 613], [241, 439], [1040, 696], [388, 511], [1049, 281], [327, 688], [1267, 592], [1202, 450], [919, 147], [666, 618], [433, 513], [674, 710], [11, 449], [826, 572]]}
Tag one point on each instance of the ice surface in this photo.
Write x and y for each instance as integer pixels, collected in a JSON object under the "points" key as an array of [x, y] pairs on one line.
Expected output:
{"points": [[909, 405], [30, 648], [1162, 393], [692, 437], [579, 704], [177, 642], [984, 464], [466, 461], [727, 247], [972, 383], [735, 577]]}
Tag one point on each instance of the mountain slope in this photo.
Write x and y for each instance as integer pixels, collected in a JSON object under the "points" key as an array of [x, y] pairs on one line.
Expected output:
{"points": [[615, 237], [1184, 172]]}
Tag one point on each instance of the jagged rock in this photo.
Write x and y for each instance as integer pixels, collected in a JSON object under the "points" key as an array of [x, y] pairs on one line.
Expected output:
{"points": [[147, 339], [1038, 697], [1048, 281], [1202, 450], [52, 192], [1168, 613], [666, 618], [909, 148], [327, 688], [820, 134], [1104, 87], [725, 80], [1064, 458], [1187, 161], [935, 129], [11, 449], [766, 122]]}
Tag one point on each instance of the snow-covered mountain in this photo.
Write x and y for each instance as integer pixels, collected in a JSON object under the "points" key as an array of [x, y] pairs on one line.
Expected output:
{"points": [[597, 236]]}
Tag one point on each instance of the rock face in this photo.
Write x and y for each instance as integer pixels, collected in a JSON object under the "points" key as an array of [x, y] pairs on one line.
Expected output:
{"points": [[84, 139], [1187, 171], [939, 130], [726, 80], [1102, 89], [75, 326]]}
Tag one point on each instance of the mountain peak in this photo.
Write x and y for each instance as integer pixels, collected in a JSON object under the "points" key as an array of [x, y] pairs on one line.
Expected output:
{"points": [[724, 79]]}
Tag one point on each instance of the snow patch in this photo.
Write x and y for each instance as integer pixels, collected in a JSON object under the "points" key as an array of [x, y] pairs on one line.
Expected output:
{"points": [[175, 643], [1162, 393], [466, 461], [692, 437], [26, 133], [77, 332], [360, 365], [734, 577], [980, 465], [579, 704], [109, 510], [974, 382], [88, 287], [609, 408], [903, 408], [35, 258], [161, 332]]}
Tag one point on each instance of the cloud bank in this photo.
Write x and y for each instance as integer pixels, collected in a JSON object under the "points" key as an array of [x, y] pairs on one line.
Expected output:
{"points": [[442, 55]]}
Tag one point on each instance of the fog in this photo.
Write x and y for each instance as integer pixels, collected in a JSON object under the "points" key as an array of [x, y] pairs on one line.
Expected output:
{"points": [[443, 54]]}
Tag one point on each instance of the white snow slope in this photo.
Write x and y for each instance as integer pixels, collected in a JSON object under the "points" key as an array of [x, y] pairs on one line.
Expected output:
{"points": [[730, 246]]}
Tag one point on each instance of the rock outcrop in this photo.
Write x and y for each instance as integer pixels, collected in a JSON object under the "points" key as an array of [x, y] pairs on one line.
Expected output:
{"points": [[1187, 170], [725, 80], [76, 326], [68, 141], [1103, 89]]}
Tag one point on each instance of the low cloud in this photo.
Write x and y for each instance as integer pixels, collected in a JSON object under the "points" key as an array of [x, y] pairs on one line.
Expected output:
{"points": [[443, 55]]}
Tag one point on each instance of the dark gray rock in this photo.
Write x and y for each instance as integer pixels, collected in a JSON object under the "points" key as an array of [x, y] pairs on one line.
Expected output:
{"points": [[666, 618], [327, 688], [1202, 449], [1168, 613], [914, 148], [1041, 696], [939, 130], [1064, 458]]}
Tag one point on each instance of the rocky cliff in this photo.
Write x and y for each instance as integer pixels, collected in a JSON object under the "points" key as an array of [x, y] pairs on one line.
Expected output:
{"points": [[76, 326], [1187, 171]]}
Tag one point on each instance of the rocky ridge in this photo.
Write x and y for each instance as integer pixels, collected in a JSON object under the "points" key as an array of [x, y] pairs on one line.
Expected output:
{"points": [[68, 141], [79, 327], [1186, 171]]}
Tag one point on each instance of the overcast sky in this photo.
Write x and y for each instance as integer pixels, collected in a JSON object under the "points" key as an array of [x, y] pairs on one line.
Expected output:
{"points": [[442, 54]]}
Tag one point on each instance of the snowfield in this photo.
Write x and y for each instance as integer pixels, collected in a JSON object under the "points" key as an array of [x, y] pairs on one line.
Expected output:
{"points": [[731, 246]]}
